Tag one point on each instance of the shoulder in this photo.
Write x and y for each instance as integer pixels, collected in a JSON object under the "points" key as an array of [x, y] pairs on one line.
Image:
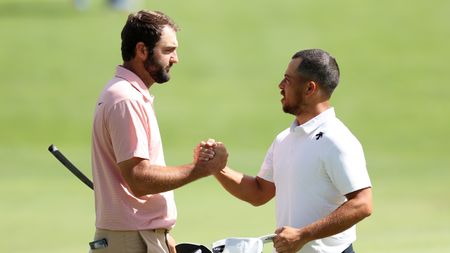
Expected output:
{"points": [[118, 90], [337, 136], [281, 136]]}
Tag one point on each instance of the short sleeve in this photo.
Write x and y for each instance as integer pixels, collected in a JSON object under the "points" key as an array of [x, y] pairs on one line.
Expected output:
{"points": [[129, 130], [346, 166], [266, 170]]}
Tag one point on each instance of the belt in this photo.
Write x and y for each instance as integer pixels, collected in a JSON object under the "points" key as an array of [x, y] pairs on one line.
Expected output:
{"points": [[160, 230]]}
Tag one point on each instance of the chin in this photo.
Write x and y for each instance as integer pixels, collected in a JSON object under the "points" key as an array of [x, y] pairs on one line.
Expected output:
{"points": [[161, 77], [163, 80]]}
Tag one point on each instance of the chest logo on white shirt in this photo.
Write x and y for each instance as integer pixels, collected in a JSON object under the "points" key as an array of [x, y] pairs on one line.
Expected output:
{"points": [[319, 135]]}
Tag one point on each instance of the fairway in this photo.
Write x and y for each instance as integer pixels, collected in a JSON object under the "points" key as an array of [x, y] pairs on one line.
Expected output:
{"points": [[393, 94]]}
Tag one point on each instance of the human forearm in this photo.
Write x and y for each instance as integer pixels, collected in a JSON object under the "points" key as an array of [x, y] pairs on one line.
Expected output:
{"points": [[358, 206], [157, 179], [232, 182], [290, 239], [144, 178], [344, 217], [244, 187]]}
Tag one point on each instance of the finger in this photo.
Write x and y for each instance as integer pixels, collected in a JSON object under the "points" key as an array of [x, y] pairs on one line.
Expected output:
{"points": [[277, 242], [282, 248], [207, 148], [204, 144], [207, 151], [204, 156], [211, 142]]}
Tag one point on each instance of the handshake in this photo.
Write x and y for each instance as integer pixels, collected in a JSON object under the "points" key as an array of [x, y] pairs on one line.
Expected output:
{"points": [[210, 157]]}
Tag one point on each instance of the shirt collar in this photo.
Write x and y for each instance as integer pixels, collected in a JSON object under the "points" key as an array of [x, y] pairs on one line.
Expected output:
{"points": [[313, 123], [135, 81]]}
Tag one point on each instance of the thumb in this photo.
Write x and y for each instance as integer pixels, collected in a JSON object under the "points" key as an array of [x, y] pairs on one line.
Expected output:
{"points": [[279, 230]]}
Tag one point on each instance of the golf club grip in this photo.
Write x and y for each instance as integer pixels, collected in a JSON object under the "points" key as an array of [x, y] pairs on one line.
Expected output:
{"points": [[54, 150]]}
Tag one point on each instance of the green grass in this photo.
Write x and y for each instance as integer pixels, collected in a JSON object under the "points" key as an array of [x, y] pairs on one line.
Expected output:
{"points": [[393, 95]]}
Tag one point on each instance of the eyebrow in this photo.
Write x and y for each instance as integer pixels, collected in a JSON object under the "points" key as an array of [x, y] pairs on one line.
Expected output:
{"points": [[170, 47]]}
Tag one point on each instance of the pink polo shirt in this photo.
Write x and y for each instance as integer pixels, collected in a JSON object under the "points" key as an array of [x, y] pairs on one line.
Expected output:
{"points": [[125, 126]]}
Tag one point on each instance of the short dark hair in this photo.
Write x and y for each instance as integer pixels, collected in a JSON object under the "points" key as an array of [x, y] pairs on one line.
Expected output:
{"points": [[319, 66], [146, 27]]}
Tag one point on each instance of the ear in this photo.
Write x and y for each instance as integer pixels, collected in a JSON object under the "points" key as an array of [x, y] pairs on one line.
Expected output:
{"points": [[141, 51], [311, 88]]}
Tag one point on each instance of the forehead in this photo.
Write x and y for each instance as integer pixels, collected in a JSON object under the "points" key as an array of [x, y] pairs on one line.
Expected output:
{"points": [[168, 37], [292, 67]]}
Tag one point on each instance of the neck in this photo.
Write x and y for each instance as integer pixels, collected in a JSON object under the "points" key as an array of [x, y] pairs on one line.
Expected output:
{"points": [[140, 72], [311, 112]]}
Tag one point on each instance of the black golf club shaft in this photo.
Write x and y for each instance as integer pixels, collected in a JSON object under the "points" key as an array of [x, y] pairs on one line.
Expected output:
{"points": [[54, 150]]}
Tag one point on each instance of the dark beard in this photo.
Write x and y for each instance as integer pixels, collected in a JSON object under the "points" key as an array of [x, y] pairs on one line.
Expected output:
{"points": [[156, 71], [291, 110]]}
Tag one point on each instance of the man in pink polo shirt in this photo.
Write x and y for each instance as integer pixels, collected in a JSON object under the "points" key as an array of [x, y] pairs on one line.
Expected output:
{"points": [[134, 201]]}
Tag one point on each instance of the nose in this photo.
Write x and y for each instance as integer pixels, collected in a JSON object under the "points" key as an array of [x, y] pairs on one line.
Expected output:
{"points": [[174, 57], [281, 84]]}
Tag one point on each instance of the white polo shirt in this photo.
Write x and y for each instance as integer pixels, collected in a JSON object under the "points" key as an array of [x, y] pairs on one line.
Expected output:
{"points": [[313, 166]]}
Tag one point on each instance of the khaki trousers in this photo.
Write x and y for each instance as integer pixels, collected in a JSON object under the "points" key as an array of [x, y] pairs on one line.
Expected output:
{"points": [[147, 241]]}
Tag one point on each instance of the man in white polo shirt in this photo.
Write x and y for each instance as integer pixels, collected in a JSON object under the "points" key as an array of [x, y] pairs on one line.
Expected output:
{"points": [[315, 169], [134, 202]]}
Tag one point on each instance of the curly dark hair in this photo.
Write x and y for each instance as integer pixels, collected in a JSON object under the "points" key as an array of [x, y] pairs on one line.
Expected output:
{"points": [[146, 27]]}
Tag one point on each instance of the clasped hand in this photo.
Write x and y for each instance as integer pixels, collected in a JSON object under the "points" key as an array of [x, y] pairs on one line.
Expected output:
{"points": [[211, 155]]}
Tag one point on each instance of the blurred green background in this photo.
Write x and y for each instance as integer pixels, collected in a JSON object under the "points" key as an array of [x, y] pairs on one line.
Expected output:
{"points": [[394, 96]]}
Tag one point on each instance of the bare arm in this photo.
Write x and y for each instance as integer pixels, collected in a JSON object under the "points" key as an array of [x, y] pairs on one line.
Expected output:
{"points": [[358, 207], [144, 178], [253, 190]]}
